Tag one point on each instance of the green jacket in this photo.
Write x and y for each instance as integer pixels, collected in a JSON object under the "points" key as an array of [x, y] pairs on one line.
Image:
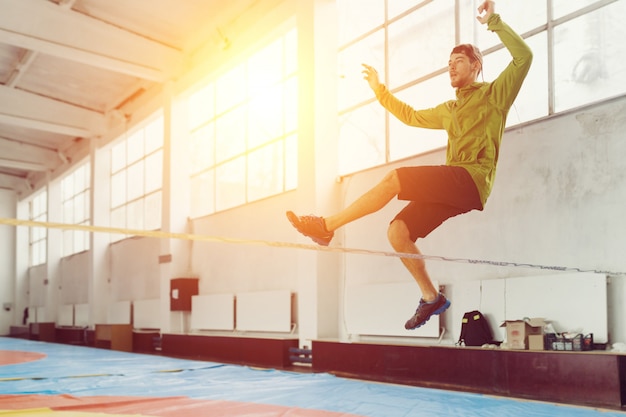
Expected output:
{"points": [[475, 120]]}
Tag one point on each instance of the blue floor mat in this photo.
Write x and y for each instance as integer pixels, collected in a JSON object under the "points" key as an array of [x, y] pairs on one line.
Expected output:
{"points": [[83, 371]]}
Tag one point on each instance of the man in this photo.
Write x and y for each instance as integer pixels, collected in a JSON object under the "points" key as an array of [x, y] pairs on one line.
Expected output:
{"points": [[475, 123]]}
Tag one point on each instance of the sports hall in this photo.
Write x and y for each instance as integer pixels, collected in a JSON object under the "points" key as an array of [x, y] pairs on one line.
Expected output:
{"points": [[150, 150]]}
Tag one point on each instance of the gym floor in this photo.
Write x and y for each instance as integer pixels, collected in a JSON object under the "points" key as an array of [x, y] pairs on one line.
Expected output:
{"points": [[41, 379]]}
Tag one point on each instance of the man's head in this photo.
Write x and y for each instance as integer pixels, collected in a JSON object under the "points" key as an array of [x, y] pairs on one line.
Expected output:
{"points": [[466, 62]]}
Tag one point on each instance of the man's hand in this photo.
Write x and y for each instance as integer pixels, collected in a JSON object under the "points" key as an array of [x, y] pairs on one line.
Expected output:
{"points": [[371, 76], [488, 7]]}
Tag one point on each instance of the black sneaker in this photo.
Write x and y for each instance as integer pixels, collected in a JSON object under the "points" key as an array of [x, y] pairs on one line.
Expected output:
{"points": [[311, 226], [426, 310]]}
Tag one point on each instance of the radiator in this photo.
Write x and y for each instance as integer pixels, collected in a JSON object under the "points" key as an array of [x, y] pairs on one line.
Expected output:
{"points": [[213, 312], [264, 311], [81, 315], [382, 310], [65, 315]]}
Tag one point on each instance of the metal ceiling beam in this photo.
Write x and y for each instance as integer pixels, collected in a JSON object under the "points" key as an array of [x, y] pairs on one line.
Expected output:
{"points": [[78, 37], [20, 108]]}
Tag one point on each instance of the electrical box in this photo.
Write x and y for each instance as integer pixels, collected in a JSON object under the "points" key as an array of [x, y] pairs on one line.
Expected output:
{"points": [[181, 291]]}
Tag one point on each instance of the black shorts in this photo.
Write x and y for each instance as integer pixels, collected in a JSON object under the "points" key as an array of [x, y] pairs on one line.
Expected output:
{"points": [[436, 193]]}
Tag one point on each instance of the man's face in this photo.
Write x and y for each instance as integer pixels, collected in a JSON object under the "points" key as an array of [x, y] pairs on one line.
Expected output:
{"points": [[461, 70]]}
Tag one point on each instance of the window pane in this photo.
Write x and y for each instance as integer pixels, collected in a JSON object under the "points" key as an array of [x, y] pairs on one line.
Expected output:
{"points": [[154, 135], [201, 106], [291, 104], [135, 181], [561, 8], [396, 7], [153, 211], [81, 179], [67, 187], [291, 52], [588, 57], [532, 100], [231, 184], [362, 138], [231, 135], [265, 171], [420, 43], [118, 156], [135, 214], [265, 68], [118, 220], [230, 89], [202, 147], [356, 17], [135, 146], [79, 208], [265, 116], [68, 211], [291, 163], [405, 141], [202, 194], [154, 172], [81, 241], [352, 88], [118, 189], [68, 242]]}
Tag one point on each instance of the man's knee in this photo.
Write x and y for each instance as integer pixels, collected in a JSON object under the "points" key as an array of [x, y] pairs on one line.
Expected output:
{"points": [[392, 180], [398, 234]]}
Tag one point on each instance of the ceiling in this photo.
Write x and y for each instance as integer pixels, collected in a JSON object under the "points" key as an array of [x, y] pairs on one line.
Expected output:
{"points": [[69, 67]]}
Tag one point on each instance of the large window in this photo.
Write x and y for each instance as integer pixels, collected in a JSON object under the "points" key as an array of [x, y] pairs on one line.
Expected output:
{"points": [[577, 61], [75, 195], [38, 236], [243, 130], [137, 178]]}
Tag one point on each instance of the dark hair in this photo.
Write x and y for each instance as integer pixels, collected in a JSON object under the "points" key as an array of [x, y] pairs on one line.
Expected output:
{"points": [[471, 51]]}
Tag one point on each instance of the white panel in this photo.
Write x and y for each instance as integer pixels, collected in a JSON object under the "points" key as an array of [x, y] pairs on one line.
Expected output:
{"points": [[41, 315], [493, 305], [382, 310], [264, 311], [81, 315], [213, 312], [464, 296], [119, 313], [147, 314], [572, 302], [65, 315]]}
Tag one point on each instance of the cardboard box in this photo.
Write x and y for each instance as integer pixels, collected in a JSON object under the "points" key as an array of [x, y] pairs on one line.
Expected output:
{"points": [[525, 334]]}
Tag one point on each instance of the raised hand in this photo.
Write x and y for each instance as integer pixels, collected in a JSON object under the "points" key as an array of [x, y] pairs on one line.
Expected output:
{"points": [[371, 75], [485, 10]]}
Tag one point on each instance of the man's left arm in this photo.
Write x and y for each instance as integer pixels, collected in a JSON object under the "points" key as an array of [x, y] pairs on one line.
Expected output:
{"points": [[506, 87]]}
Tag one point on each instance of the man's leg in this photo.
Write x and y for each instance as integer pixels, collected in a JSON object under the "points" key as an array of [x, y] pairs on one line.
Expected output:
{"points": [[321, 229], [432, 301], [400, 240], [370, 202]]}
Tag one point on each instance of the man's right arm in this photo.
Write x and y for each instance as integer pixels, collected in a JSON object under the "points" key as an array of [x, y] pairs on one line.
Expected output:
{"points": [[428, 118]]}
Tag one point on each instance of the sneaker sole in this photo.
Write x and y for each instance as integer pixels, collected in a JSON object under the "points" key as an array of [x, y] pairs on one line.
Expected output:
{"points": [[293, 219], [437, 312]]}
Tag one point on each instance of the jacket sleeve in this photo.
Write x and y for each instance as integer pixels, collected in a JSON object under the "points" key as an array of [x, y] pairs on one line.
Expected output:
{"points": [[506, 87], [428, 118]]}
